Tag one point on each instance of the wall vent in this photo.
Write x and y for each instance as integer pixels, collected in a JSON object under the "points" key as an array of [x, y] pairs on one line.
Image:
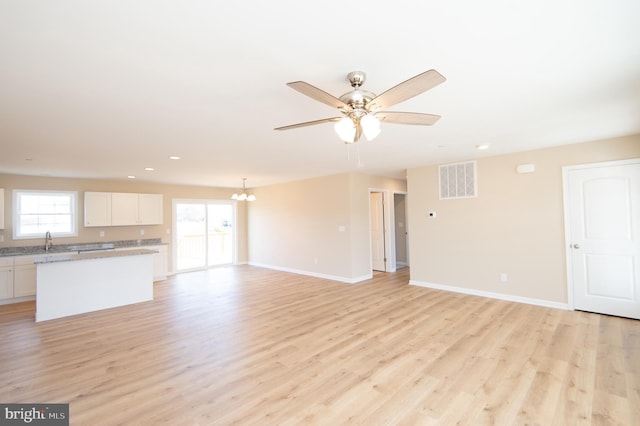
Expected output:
{"points": [[458, 180]]}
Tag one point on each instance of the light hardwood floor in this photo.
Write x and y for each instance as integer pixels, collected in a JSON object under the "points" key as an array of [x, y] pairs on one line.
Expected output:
{"points": [[245, 345]]}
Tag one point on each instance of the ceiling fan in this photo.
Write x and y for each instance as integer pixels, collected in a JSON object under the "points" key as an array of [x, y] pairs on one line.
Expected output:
{"points": [[362, 110]]}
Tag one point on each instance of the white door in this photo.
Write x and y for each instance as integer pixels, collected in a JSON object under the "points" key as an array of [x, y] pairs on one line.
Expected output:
{"points": [[377, 231], [603, 232]]}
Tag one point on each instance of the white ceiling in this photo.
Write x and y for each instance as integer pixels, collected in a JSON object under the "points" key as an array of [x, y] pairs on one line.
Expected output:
{"points": [[103, 89]]}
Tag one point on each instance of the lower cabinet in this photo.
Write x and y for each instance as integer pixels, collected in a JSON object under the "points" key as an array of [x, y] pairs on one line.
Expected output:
{"points": [[159, 262], [18, 273], [6, 278], [24, 276], [17, 277]]}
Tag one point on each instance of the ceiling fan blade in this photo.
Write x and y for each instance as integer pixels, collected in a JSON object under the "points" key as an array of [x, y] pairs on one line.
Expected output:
{"points": [[406, 90], [416, 118], [319, 95], [308, 123]]}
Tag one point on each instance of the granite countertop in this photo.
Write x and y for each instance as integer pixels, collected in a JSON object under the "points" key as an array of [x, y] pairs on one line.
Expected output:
{"points": [[73, 249], [92, 255]]}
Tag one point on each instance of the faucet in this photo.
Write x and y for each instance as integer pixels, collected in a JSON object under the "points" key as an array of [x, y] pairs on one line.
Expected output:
{"points": [[48, 241]]}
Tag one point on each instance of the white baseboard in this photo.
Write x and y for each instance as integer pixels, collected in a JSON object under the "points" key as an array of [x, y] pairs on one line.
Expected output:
{"points": [[314, 274], [492, 295], [17, 300]]}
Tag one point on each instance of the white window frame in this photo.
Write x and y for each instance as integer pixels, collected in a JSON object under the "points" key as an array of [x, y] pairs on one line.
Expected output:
{"points": [[17, 232]]}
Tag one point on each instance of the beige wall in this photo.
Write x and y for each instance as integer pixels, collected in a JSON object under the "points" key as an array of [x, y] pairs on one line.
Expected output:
{"points": [[115, 233], [296, 226], [514, 226]]}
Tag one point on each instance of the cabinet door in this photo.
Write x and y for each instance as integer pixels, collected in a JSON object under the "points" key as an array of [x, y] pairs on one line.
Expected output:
{"points": [[1, 208], [159, 262], [97, 209], [24, 280], [150, 209], [6, 281], [124, 209]]}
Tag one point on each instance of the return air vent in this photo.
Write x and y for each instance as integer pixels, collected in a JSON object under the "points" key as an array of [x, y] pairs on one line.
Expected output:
{"points": [[458, 180]]}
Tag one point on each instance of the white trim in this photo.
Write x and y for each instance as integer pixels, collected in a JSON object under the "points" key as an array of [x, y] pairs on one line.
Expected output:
{"points": [[492, 295], [406, 229], [75, 215], [314, 274], [567, 215], [17, 300], [389, 249]]}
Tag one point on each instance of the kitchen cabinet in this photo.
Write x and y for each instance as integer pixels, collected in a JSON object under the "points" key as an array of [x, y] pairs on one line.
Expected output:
{"points": [[122, 209], [6, 278], [150, 209], [1, 208], [97, 209], [136, 209], [24, 276], [159, 262]]}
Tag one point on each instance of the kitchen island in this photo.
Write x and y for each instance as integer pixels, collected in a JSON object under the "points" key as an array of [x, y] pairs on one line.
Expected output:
{"points": [[77, 283]]}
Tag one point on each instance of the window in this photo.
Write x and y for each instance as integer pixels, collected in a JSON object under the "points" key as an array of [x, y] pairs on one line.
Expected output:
{"points": [[458, 180], [36, 212]]}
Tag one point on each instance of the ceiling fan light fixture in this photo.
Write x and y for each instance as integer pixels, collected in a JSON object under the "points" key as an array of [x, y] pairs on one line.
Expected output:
{"points": [[370, 126], [346, 129]]}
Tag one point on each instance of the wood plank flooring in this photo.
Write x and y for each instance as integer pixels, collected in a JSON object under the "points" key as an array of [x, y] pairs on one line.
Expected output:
{"points": [[246, 345]]}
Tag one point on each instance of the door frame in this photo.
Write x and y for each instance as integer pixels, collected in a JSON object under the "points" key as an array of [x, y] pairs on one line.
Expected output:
{"points": [[405, 219], [567, 218], [385, 229], [389, 230]]}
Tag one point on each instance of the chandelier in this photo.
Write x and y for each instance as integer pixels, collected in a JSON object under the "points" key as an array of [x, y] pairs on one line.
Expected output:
{"points": [[244, 195]]}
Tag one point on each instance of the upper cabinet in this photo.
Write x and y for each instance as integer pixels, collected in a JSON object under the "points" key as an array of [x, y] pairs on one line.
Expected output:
{"points": [[122, 209], [150, 209], [97, 209], [1, 208]]}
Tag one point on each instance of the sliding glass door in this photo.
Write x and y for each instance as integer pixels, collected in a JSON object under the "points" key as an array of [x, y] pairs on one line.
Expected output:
{"points": [[204, 233]]}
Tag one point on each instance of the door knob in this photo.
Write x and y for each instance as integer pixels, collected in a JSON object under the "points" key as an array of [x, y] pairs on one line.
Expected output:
{"points": [[575, 246]]}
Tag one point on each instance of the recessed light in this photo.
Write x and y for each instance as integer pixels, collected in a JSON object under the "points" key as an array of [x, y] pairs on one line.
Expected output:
{"points": [[483, 146], [149, 169], [131, 177], [174, 157]]}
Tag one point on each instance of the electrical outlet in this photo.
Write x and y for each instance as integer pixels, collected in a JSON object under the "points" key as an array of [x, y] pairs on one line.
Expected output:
{"points": [[503, 277], [142, 232]]}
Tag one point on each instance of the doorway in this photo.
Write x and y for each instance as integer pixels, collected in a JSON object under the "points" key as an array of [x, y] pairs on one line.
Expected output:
{"points": [[204, 234], [603, 237]]}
